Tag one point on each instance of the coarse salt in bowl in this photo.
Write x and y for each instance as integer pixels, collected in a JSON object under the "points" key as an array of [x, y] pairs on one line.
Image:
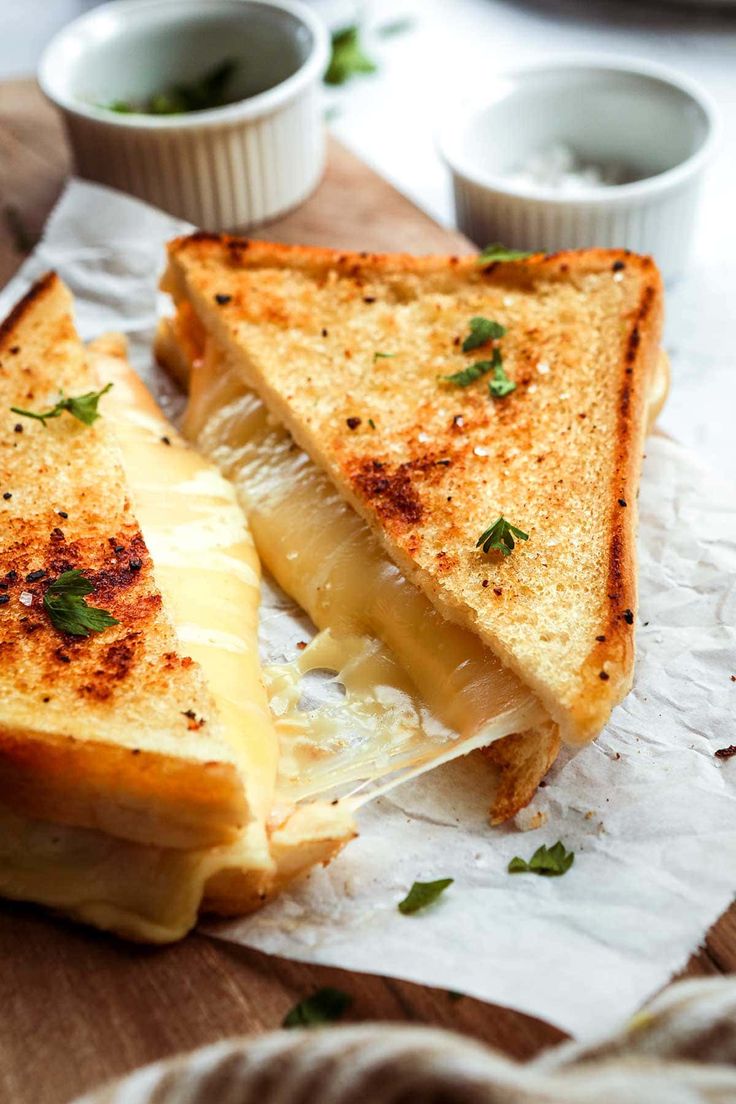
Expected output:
{"points": [[583, 152]]}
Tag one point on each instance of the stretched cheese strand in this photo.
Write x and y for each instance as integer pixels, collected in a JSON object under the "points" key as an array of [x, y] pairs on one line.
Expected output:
{"points": [[324, 556]]}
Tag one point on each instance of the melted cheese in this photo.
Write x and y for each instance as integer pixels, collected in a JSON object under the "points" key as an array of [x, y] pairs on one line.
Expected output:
{"points": [[418, 688]]}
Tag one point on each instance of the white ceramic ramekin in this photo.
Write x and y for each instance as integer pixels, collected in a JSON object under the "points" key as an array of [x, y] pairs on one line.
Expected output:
{"points": [[227, 167], [653, 120]]}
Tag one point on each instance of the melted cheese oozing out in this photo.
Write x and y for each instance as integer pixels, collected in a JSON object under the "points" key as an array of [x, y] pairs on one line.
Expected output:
{"points": [[323, 555], [209, 575]]}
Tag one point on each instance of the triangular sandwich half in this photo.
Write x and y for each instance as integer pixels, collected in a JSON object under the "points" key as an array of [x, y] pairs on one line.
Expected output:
{"points": [[437, 396], [137, 753]]}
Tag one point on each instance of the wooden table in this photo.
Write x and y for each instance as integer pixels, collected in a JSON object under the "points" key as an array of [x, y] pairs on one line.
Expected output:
{"points": [[80, 1007]]}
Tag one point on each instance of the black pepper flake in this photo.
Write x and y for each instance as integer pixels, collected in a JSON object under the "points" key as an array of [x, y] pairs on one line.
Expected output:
{"points": [[628, 616], [4, 599], [601, 639], [618, 266], [118, 548], [57, 534], [222, 299], [352, 423], [135, 751], [324, 333], [444, 463], [135, 565], [12, 576], [335, 801], [484, 583], [726, 753], [497, 591], [17, 428], [62, 513], [34, 576], [166, 440], [63, 657], [369, 298], [15, 349], [7, 495], [46, 698], [603, 676], [449, 498], [622, 502]]}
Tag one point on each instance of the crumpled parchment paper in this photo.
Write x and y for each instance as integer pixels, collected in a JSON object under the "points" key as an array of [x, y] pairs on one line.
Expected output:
{"points": [[648, 809]]}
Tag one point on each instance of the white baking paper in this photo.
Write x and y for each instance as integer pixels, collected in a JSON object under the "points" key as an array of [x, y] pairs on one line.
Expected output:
{"points": [[648, 809]]}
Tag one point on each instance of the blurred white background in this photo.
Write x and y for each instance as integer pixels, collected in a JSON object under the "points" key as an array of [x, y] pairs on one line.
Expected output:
{"points": [[444, 54]]}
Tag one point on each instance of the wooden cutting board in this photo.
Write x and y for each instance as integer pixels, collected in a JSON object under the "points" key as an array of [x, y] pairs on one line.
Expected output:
{"points": [[79, 1007]]}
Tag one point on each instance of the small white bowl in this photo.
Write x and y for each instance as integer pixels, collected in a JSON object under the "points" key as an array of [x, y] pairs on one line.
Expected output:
{"points": [[657, 124], [222, 168]]}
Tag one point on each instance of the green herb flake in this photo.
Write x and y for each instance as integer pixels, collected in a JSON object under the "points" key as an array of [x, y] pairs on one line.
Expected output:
{"points": [[501, 385], [208, 91], [64, 601], [324, 1006], [81, 407], [499, 252], [383, 356], [371, 423], [499, 537], [482, 330], [473, 372], [396, 27], [348, 58], [422, 894], [549, 862]]}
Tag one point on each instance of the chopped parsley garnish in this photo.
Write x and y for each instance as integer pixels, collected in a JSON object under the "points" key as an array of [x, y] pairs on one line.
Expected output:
{"points": [[322, 1007], [348, 58], [499, 252], [500, 386], [383, 356], [64, 602], [396, 27], [211, 90], [550, 862], [422, 894], [499, 537], [82, 407], [482, 330], [474, 372]]}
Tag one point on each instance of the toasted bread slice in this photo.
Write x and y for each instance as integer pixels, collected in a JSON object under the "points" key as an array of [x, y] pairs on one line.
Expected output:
{"points": [[348, 350], [138, 764]]}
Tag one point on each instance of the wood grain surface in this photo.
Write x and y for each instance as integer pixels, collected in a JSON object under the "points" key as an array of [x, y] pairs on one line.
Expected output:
{"points": [[79, 1007]]}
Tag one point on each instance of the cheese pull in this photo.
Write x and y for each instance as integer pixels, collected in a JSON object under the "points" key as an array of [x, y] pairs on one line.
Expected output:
{"points": [[323, 555]]}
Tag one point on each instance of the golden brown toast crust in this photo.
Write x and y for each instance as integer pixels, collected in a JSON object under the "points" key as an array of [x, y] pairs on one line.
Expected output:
{"points": [[560, 457], [90, 727]]}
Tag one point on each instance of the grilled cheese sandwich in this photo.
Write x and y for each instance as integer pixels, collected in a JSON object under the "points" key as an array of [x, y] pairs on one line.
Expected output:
{"points": [[137, 764], [315, 384]]}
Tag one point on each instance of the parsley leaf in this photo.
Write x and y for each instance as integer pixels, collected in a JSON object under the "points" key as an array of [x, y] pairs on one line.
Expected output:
{"points": [[499, 252], [473, 372], [482, 330], [347, 57], [64, 602], [500, 385], [383, 356], [499, 537], [82, 407], [422, 894], [549, 862], [396, 27], [322, 1007], [208, 91]]}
